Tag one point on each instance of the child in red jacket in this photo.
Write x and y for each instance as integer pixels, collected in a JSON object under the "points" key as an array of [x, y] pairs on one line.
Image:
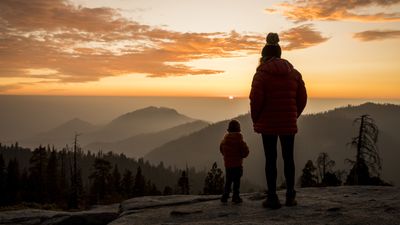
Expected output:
{"points": [[234, 149]]}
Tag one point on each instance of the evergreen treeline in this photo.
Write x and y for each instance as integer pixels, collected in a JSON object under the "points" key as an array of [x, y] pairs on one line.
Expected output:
{"points": [[71, 178]]}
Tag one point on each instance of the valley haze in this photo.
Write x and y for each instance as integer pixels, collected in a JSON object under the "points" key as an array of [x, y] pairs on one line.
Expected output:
{"points": [[24, 116], [186, 131]]}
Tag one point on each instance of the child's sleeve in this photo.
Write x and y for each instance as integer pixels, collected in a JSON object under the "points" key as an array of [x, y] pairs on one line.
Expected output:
{"points": [[245, 150]]}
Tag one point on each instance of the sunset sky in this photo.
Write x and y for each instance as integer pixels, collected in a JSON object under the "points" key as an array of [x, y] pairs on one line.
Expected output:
{"points": [[343, 48]]}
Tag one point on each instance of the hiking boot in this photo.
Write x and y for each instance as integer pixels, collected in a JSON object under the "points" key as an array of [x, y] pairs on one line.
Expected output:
{"points": [[224, 198], [237, 199], [291, 199], [272, 202]]}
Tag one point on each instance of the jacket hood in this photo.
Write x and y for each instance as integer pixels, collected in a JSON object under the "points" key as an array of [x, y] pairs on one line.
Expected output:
{"points": [[276, 66]]}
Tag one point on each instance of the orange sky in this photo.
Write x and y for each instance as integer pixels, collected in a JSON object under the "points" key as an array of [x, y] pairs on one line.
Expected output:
{"points": [[343, 49]]}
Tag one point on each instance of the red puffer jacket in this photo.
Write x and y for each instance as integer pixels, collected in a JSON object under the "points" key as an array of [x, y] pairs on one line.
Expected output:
{"points": [[234, 149], [277, 98]]}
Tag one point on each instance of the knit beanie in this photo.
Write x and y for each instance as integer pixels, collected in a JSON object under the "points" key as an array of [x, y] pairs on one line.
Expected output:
{"points": [[234, 126], [272, 48]]}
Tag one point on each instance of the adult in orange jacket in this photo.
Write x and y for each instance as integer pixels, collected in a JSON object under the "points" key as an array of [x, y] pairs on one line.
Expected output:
{"points": [[278, 97]]}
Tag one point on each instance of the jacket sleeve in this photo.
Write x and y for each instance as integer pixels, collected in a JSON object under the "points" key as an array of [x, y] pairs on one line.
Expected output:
{"points": [[221, 148], [301, 97], [245, 150], [256, 97]]}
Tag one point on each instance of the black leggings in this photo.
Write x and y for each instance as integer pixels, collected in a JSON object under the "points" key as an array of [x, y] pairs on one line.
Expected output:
{"points": [[270, 150]]}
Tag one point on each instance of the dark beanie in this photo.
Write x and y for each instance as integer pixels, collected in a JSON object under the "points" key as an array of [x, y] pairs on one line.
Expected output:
{"points": [[272, 48], [234, 126]]}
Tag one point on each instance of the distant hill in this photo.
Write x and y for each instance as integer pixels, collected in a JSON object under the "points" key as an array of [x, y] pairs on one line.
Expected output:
{"points": [[139, 145], [150, 119], [61, 135], [324, 132], [146, 120]]}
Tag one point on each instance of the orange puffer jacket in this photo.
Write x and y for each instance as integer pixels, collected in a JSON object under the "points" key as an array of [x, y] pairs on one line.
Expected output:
{"points": [[234, 149], [277, 98]]}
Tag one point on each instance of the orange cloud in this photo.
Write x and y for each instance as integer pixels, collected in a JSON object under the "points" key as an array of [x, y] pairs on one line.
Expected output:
{"points": [[308, 10], [300, 37], [6, 87], [86, 44], [372, 35]]}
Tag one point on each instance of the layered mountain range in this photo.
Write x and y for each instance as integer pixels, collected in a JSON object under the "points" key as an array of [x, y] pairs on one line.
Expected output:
{"points": [[164, 135]]}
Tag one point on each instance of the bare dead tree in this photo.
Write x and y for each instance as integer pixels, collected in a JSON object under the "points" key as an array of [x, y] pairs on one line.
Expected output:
{"points": [[367, 154]]}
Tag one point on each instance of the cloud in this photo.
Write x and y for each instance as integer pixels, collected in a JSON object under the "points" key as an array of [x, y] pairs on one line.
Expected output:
{"points": [[372, 35], [7, 87], [271, 10], [81, 44], [300, 37], [54, 41], [328, 10]]}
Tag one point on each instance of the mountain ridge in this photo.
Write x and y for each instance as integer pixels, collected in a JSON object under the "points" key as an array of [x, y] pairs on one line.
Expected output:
{"points": [[323, 132], [138, 145], [145, 120]]}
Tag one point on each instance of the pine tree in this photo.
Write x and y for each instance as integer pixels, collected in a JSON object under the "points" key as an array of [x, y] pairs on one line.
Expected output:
{"points": [[127, 184], [76, 186], [214, 181], [116, 180], [140, 184], [37, 175], [2, 180], [62, 181], [52, 177], [24, 185], [324, 165], [183, 184], [152, 189], [100, 178], [167, 190], [12, 182], [308, 178]]}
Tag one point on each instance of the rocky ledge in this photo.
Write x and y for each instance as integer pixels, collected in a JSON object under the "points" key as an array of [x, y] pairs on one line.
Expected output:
{"points": [[331, 205]]}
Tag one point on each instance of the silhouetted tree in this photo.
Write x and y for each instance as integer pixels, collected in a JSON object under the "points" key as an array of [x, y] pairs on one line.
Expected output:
{"points": [[214, 181], [24, 185], [331, 179], [324, 165], [359, 175], [100, 178], [37, 175], [62, 177], [367, 154], [2, 180], [115, 181], [167, 190], [52, 177], [73, 170], [183, 184], [140, 183], [127, 184], [151, 189], [308, 178], [76, 186], [12, 182]]}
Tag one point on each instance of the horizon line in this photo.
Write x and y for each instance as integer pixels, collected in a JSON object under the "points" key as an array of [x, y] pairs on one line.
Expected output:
{"points": [[189, 96]]}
